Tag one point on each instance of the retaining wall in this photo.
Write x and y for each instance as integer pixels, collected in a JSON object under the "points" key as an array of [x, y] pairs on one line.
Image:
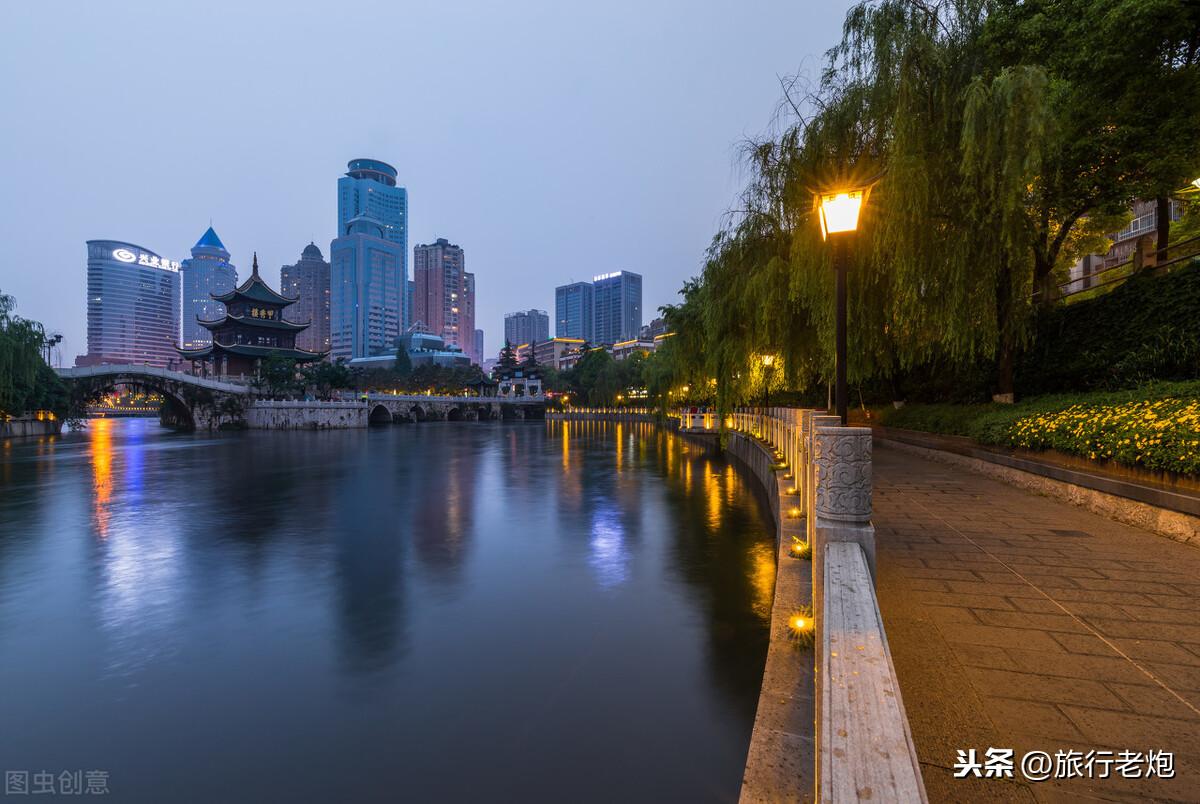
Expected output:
{"points": [[304, 415]]}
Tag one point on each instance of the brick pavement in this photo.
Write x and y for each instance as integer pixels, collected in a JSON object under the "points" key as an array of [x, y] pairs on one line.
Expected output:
{"points": [[1019, 621]]}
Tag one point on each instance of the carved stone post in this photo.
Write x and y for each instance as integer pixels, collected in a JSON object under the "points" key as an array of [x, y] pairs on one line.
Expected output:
{"points": [[842, 461], [817, 421]]}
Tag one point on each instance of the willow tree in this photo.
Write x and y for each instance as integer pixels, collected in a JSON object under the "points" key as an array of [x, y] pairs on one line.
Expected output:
{"points": [[26, 382]]}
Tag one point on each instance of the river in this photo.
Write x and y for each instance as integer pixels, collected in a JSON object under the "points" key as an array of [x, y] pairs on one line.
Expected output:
{"points": [[544, 611]]}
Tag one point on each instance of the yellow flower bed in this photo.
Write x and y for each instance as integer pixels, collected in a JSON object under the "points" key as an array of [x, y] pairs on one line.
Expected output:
{"points": [[1160, 434]]}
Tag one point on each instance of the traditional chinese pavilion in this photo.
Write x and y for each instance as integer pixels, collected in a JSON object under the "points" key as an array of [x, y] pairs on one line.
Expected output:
{"points": [[252, 330]]}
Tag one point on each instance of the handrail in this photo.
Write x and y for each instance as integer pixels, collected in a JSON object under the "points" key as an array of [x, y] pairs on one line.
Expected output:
{"points": [[116, 369]]}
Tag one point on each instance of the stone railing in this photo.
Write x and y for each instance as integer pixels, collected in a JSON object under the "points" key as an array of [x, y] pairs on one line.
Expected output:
{"points": [[590, 414], [863, 744]]}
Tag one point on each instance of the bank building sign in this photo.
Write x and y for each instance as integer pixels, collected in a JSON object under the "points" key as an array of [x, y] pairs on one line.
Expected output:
{"points": [[142, 258]]}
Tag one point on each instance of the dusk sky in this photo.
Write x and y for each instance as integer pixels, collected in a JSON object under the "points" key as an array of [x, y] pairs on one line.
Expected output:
{"points": [[551, 140]]}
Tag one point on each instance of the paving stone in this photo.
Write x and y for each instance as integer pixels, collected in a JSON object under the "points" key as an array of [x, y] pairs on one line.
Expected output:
{"points": [[1106, 673]]}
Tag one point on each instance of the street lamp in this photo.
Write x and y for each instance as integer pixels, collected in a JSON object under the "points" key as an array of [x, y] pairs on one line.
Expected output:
{"points": [[839, 213], [767, 362]]}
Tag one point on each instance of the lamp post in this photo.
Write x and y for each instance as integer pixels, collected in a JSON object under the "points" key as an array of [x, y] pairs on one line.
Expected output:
{"points": [[768, 361], [839, 212]]}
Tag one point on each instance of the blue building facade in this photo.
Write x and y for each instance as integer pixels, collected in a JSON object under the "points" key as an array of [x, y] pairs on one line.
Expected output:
{"points": [[618, 307], [132, 306], [208, 273], [369, 188], [367, 290], [573, 311]]}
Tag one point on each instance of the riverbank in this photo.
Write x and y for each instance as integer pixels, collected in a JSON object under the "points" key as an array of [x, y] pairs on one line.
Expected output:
{"points": [[30, 426]]}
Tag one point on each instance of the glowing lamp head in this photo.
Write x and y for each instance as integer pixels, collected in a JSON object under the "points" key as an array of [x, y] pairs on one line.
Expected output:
{"points": [[768, 361], [1196, 183], [839, 211]]}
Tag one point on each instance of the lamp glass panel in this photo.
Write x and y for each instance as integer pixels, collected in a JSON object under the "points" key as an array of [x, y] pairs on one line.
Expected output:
{"points": [[839, 211]]}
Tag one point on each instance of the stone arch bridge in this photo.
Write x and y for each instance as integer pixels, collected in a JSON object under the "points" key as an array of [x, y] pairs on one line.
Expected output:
{"points": [[388, 408], [191, 402]]}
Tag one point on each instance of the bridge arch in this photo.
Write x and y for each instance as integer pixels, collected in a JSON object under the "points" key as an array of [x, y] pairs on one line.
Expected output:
{"points": [[188, 401], [418, 413], [379, 415], [455, 414]]}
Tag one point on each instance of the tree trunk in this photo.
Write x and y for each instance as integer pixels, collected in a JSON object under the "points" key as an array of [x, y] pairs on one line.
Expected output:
{"points": [[1005, 326], [1163, 209], [1044, 286]]}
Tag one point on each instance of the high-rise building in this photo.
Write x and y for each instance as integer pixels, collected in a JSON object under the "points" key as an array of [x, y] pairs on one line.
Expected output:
{"points": [[466, 319], [133, 306], [573, 311], [308, 283], [366, 290], [207, 274], [369, 188], [479, 346], [526, 326], [618, 307], [444, 296]]}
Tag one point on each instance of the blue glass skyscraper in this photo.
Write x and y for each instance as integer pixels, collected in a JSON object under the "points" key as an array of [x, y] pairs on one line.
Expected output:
{"points": [[366, 291], [208, 273], [368, 280], [573, 311], [618, 307], [369, 188]]}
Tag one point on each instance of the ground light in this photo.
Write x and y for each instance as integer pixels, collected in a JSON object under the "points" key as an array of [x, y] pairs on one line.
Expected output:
{"points": [[800, 549], [801, 627], [839, 212]]}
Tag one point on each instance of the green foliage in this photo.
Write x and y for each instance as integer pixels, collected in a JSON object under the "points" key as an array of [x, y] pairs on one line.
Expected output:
{"points": [[26, 382], [1005, 152], [404, 366], [1154, 427], [508, 357], [277, 376], [1145, 329], [322, 378]]}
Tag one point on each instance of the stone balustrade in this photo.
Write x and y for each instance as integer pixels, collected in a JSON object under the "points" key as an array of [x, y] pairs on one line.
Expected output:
{"points": [[863, 744]]}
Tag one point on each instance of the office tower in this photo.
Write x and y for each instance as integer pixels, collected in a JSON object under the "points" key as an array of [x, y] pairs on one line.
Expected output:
{"points": [[618, 307], [573, 311], [467, 318], [409, 318], [366, 290], [444, 296], [526, 326], [207, 274], [308, 283], [133, 306], [479, 346], [369, 188]]}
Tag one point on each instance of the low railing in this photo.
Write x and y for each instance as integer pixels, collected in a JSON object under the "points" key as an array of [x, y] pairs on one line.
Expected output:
{"points": [[141, 369], [305, 403], [863, 740], [1151, 262]]}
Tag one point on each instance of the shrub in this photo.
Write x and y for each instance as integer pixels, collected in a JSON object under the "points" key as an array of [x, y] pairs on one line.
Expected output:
{"points": [[1154, 427]]}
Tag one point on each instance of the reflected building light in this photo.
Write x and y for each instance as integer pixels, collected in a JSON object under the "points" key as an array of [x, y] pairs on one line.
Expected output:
{"points": [[608, 553], [762, 578], [713, 500], [101, 451]]}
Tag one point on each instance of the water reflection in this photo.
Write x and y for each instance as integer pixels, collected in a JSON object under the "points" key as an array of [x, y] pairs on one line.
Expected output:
{"points": [[576, 606], [608, 554]]}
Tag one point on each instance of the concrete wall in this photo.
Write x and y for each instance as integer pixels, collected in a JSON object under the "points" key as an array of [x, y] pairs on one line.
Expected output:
{"points": [[299, 415], [26, 427]]}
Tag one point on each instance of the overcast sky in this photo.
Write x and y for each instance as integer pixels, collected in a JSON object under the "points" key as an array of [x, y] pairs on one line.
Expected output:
{"points": [[552, 140]]}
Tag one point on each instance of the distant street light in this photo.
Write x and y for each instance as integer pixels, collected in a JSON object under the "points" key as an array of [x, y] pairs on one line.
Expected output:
{"points": [[767, 362], [839, 212]]}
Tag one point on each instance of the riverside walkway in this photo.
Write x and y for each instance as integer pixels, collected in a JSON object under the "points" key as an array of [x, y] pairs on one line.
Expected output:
{"points": [[1019, 621]]}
